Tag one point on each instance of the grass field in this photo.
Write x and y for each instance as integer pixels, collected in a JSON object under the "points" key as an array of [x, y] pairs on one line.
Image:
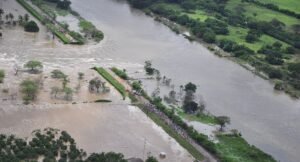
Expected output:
{"points": [[199, 15], [292, 5], [261, 13], [238, 34], [236, 149], [201, 118]]}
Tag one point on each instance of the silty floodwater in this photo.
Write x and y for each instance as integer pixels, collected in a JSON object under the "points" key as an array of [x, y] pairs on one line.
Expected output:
{"points": [[266, 119]]}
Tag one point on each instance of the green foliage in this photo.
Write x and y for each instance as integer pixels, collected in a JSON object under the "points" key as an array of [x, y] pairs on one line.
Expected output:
{"points": [[31, 26], [190, 87], [50, 144], [29, 88], [33, 65], [137, 86], [151, 159], [2, 76], [89, 29], [121, 73], [112, 81], [57, 74], [148, 68]]}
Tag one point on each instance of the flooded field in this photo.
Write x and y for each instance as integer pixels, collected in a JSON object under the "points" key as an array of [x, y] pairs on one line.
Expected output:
{"points": [[267, 119]]}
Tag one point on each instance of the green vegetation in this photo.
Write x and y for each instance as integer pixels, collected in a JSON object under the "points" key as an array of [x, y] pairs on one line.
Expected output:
{"points": [[2, 75], [111, 80], [90, 30], [121, 73], [231, 148], [193, 151], [203, 118], [236, 149], [29, 88], [49, 145], [247, 29], [292, 5], [33, 65], [43, 20], [31, 26]]}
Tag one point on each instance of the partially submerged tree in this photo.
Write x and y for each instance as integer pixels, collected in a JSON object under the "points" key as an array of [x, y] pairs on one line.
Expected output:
{"points": [[33, 65], [148, 68], [57, 74], [68, 93], [31, 26], [2, 75], [222, 121], [29, 88]]}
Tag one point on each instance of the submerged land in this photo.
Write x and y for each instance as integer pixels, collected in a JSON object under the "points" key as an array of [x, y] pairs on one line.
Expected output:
{"points": [[107, 105]]}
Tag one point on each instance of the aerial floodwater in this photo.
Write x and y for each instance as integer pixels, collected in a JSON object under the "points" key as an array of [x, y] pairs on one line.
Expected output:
{"points": [[266, 119]]}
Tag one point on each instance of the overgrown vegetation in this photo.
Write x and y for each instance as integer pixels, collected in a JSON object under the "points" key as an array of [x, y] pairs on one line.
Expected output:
{"points": [[111, 80], [2, 75], [121, 73]]}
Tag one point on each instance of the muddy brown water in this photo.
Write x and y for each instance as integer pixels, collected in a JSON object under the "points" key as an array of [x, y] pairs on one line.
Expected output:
{"points": [[267, 119]]}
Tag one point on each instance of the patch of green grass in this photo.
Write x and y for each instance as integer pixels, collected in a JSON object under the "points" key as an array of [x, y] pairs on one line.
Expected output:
{"points": [[292, 5], [261, 13], [199, 15], [190, 148], [239, 34], [202, 118], [112, 81], [236, 149]]}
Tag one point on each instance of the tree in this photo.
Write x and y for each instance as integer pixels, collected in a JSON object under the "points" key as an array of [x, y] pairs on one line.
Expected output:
{"points": [[55, 90], [68, 93], [2, 75], [209, 36], [31, 26], [29, 88], [190, 86], [65, 4], [222, 121], [148, 68], [26, 17], [80, 75], [33, 65], [151, 159], [57, 74]]}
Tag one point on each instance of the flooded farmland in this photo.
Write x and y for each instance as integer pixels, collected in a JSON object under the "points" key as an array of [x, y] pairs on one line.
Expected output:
{"points": [[267, 119]]}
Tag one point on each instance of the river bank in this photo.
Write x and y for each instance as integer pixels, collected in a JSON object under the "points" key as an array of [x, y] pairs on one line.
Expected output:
{"points": [[255, 66]]}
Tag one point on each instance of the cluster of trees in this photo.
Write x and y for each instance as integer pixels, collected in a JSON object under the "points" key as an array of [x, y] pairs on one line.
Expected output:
{"points": [[68, 92], [275, 8], [97, 85], [234, 48], [50, 145], [273, 53], [62, 4], [29, 88]]}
